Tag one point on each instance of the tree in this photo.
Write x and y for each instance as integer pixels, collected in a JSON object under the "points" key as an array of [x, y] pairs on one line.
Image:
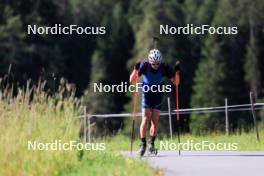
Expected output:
{"points": [[209, 88], [109, 65]]}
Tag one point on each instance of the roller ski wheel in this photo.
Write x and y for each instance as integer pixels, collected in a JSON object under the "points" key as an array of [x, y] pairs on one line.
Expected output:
{"points": [[142, 150], [152, 151]]}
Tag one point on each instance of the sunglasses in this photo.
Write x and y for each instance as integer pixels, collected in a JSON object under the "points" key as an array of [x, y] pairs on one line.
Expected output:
{"points": [[155, 64]]}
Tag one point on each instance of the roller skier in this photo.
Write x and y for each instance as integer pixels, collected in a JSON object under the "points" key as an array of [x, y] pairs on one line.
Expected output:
{"points": [[154, 72]]}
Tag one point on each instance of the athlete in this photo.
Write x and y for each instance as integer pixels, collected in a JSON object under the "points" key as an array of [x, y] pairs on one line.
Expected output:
{"points": [[154, 72]]}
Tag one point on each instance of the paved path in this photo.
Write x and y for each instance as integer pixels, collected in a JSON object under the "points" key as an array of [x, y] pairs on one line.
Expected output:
{"points": [[208, 163]]}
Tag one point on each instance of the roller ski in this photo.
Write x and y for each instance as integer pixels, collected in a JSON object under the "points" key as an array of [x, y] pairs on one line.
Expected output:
{"points": [[152, 151], [142, 150]]}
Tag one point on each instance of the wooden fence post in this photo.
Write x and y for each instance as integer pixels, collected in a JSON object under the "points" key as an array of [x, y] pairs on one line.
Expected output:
{"points": [[254, 114]]}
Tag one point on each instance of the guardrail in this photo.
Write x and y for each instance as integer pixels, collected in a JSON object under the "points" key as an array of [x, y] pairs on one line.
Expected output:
{"points": [[231, 108], [227, 108]]}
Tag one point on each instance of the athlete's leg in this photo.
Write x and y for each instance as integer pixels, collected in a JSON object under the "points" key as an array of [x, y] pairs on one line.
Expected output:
{"points": [[153, 130], [155, 116], [146, 115], [157, 102]]}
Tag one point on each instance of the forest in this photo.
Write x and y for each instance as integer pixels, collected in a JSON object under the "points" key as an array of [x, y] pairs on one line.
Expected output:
{"points": [[213, 67]]}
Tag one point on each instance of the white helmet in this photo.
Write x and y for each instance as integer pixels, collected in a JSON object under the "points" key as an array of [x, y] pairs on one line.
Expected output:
{"points": [[154, 56]]}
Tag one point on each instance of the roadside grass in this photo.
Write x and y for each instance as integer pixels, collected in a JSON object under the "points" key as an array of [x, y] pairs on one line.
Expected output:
{"points": [[32, 115], [26, 118], [111, 163], [245, 141]]}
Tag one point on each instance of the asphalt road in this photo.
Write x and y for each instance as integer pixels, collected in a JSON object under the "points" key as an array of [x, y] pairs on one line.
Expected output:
{"points": [[207, 163]]}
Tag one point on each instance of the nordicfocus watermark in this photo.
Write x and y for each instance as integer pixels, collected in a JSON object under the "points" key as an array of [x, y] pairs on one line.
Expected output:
{"points": [[58, 29], [198, 30], [126, 87], [190, 145], [67, 146]]}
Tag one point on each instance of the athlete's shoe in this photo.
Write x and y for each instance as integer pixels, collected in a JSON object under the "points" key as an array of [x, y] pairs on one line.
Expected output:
{"points": [[142, 150], [152, 150]]}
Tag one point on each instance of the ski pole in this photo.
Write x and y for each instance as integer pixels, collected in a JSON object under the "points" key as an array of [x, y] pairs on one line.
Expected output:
{"points": [[133, 116], [177, 82], [155, 40]]}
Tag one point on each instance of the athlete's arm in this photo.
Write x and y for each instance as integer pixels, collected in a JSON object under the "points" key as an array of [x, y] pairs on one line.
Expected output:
{"points": [[169, 73], [139, 69], [142, 67]]}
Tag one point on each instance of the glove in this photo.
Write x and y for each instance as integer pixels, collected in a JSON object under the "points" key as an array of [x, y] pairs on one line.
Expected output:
{"points": [[136, 67], [177, 66]]}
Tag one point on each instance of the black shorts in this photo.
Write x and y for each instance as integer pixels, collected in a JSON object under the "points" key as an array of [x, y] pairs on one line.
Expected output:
{"points": [[152, 100]]}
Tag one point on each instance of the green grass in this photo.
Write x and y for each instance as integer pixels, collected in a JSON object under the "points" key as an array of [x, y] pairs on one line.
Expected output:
{"points": [[45, 119], [245, 141], [109, 163]]}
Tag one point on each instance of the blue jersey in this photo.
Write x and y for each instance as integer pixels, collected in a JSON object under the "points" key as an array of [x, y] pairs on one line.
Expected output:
{"points": [[153, 77]]}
